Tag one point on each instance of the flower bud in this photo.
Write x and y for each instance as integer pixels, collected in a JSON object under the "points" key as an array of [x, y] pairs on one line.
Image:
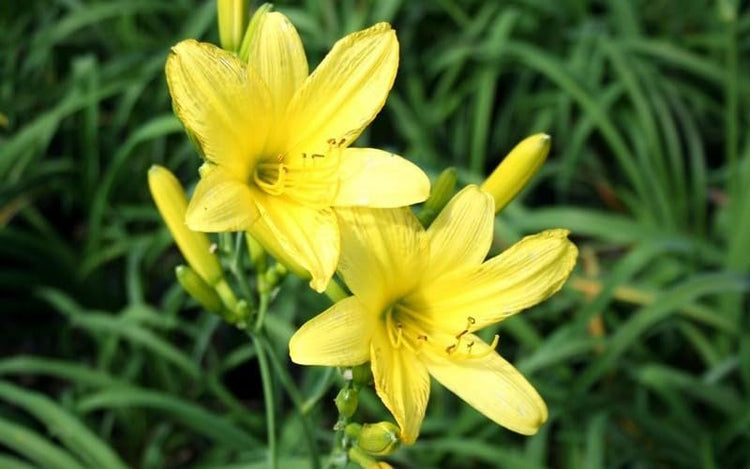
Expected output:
{"points": [[172, 204], [196, 287], [440, 194], [346, 402], [518, 167], [379, 439], [257, 253], [232, 21], [352, 430], [361, 375]]}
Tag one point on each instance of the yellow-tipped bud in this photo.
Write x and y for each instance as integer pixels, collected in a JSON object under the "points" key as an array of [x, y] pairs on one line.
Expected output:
{"points": [[232, 22], [379, 439], [196, 287], [518, 167], [172, 204]]}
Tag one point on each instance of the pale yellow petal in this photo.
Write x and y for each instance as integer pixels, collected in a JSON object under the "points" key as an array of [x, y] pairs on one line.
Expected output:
{"points": [[220, 203], [277, 55], [527, 273], [378, 179], [225, 105], [345, 92], [461, 235], [493, 387], [383, 253], [402, 383], [339, 336], [307, 236]]}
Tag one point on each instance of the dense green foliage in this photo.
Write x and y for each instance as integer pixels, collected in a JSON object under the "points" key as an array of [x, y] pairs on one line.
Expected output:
{"points": [[643, 359]]}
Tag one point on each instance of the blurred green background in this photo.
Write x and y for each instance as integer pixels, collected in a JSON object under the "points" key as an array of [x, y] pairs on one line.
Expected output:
{"points": [[643, 359]]}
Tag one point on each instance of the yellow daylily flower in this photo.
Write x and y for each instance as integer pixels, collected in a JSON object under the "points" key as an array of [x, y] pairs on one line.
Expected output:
{"points": [[276, 141], [418, 298]]}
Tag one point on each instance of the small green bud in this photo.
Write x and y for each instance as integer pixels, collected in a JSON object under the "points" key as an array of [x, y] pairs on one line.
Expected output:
{"points": [[201, 291], [361, 375], [364, 460], [379, 439], [347, 401], [352, 430], [242, 314]]}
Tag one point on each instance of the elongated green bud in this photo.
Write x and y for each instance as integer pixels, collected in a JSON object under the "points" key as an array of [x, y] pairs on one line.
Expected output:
{"points": [[517, 169], [196, 287], [379, 439], [232, 22], [172, 204], [257, 253], [440, 193]]}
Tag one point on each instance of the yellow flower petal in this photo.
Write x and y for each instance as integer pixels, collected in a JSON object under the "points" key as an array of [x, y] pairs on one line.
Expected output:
{"points": [[493, 387], [308, 237], [402, 383], [527, 273], [378, 179], [462, 233], [345, 92], [220, 203], [279, 58], [383, 253], [222, 102], [339, 336]]}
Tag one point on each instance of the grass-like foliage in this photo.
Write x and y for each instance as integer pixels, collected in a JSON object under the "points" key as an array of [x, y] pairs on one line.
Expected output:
{"points": [[643, 359]]}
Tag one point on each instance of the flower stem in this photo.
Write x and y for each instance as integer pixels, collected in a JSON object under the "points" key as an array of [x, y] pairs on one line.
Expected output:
{"points": [[335, 292], [286, 380], [265, 375]]}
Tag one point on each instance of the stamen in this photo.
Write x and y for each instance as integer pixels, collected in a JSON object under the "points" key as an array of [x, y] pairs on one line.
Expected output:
{"points": [[489, 350], [399, 335], [264, 172], [397, 341]]}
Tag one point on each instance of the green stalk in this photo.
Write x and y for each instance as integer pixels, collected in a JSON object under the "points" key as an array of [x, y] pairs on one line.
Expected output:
{"points": [[286, 380], [265, 376]]}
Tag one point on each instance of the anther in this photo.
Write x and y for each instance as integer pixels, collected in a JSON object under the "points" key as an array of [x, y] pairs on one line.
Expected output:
{"points": [[495, 341]]}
